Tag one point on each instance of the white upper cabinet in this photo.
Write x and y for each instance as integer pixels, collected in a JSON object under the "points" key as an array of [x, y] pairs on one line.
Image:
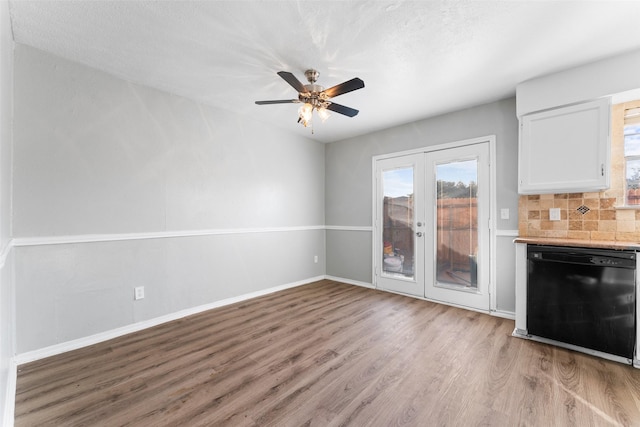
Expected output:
{"points": [[565, 150]]}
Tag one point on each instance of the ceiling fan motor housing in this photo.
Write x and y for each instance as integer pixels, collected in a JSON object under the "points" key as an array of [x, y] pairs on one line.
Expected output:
{"points": [[314, 95]]}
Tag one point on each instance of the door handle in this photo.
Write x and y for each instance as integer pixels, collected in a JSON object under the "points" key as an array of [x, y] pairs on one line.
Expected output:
{"points": [[419, 234]]}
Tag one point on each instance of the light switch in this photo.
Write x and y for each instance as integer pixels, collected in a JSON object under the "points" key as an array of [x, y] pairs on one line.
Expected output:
{"points": [[504, 213], [554, 214]]}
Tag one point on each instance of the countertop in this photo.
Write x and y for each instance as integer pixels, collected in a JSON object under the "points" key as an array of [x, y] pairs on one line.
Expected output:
{"points": [[576, 243]]}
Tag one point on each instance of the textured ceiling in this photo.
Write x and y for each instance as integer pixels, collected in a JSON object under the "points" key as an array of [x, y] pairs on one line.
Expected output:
{"points": [[417, 58]]}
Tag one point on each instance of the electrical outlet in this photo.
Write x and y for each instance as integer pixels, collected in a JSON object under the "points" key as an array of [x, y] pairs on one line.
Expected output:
{"points": [[315, 259], [554, 214], [504, 213], [138, 292]]}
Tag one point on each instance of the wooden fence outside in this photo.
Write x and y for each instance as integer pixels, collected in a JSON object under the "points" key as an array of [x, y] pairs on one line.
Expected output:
{"points": [[457, 232], [457, 226]]}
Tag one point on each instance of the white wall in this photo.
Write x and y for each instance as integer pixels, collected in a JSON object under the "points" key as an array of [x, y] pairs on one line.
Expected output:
{"points": [[7, 349], [194, 203], [349, 186]]}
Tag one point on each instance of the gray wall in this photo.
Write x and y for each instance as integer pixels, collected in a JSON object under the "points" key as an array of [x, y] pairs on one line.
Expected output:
{"points": [[6, 115], [6, 276], [233, 206], [117, 185], [6, 284], [349, 185]]}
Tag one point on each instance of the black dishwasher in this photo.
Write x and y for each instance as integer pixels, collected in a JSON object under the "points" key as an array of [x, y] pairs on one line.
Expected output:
{"points": [[583, 296]]}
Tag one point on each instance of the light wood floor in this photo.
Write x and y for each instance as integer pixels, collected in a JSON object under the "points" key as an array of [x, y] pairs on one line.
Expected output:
{"points": [[328, 354]]}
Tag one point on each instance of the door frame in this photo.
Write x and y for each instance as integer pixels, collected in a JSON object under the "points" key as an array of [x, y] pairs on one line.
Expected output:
{"points": [[491, 139]]}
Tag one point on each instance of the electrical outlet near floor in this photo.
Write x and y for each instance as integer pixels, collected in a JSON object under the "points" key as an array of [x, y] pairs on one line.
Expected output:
{"points": [[138, 292]]}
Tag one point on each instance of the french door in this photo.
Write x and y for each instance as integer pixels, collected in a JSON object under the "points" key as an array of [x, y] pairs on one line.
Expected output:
{"points": [[400, 224], [432, 225]]}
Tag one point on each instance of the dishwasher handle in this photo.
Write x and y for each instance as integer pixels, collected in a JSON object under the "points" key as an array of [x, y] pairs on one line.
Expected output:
{"points": [[617, 259]]}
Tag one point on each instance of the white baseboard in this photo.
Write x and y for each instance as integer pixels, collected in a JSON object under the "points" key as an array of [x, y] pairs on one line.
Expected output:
{"points": [[10, 394], [506, 314], [350, 282], [56, 349]]}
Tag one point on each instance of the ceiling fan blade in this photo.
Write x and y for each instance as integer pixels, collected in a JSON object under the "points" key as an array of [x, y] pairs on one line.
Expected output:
{"points": [[281, 101], [345, 87], [293, 81], [341, 109]]}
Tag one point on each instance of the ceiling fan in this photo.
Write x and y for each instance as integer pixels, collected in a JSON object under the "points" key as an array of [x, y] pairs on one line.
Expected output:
{"points": [[316, 97]]}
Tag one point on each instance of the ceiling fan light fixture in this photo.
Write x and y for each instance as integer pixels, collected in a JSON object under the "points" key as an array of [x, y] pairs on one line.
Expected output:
{"points": [[304, 114], [324, 114]]}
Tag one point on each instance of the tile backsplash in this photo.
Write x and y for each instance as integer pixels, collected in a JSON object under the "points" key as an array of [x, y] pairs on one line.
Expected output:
{"points": [[587, 216]]}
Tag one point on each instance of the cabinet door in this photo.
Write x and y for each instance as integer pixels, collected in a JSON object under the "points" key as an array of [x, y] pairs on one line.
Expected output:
{"points": [[565, 150]]}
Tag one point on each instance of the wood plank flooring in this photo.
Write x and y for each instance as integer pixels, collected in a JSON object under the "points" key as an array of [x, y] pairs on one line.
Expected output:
{"points": [[327, 354]]}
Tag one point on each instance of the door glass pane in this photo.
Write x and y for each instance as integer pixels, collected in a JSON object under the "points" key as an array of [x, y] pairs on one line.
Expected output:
{"points": [[397, 215], [457, 224]]}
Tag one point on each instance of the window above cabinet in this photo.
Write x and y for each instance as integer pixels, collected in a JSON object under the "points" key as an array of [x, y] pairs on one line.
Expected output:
{"points": [[626, 120]]}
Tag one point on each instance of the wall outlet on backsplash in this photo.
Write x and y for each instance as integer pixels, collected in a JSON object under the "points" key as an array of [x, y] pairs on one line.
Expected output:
{"points": [[554, 214]]}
